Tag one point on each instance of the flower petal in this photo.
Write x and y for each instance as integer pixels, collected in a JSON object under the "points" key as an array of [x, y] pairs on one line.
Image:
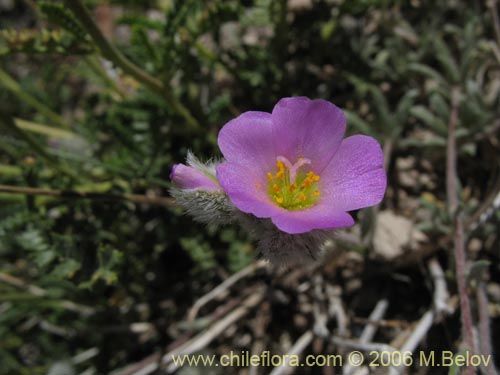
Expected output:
{"points": [[186, 177], [246, 189], [311, 129], [355, 177], [317, 217], [247, 140]]}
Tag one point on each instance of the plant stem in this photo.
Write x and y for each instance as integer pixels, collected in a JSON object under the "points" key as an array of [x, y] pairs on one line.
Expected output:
{"points": [[484, 328], [111, 53], [97, 68], [458, 237], [495, 19], [9, 83], [136, 198]]}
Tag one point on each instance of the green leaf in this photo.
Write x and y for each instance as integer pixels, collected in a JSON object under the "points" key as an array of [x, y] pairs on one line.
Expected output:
{"points": [[109, 262], [66, 269], [200, 252], [404, 106], [357, 122], [429, 119], [439, 105], [44, 258], [428, 72], [59, 15], [448, 63]]}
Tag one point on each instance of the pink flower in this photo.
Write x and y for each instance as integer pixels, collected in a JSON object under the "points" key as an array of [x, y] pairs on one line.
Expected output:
{"points": [[293, 166], [189, 178], [194, 176]]}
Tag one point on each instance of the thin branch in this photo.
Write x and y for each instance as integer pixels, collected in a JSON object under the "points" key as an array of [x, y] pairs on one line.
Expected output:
{"points": [[136, 198], [111, 53]]}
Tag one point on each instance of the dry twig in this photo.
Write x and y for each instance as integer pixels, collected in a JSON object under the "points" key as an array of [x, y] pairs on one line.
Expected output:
{"points": [[377, 314], [369, 330], [201, 340], [440, 290], [421, 329], [222, 288], [300, 345]]}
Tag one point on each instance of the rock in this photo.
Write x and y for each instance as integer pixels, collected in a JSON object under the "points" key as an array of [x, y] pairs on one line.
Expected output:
{"points": [[493, 292], [295, 5], [394, 234], [475, 245]]}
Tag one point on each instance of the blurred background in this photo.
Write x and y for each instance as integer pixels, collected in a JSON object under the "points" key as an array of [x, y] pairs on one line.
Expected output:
{"points": [[100, 273]]}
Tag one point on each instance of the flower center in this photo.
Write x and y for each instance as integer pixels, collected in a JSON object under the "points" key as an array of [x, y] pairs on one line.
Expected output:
{"points": [[291, 187]]}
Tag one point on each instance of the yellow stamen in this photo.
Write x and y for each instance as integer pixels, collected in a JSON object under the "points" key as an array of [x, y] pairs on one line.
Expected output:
{"points": [[291, 188], [307, 182], [280, 166]]}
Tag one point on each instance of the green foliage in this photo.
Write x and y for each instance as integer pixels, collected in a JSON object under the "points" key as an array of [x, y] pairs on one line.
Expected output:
{"points": [[200, 252], [56, 13], [41, 41]]}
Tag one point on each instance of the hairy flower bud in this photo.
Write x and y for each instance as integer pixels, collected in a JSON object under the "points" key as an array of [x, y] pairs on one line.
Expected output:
{"points": [[195, 189], [196, 176]]}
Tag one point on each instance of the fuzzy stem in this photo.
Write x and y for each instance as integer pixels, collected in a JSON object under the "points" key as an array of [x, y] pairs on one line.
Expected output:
{"points": [[111, 53], [485, 329], [458, 237]]}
